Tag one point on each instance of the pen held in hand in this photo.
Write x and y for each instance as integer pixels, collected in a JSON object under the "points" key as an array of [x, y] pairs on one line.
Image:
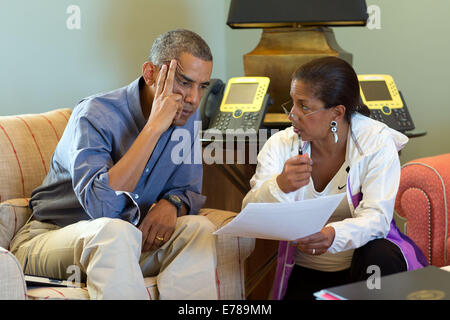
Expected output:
{"points": [[300, 145]]}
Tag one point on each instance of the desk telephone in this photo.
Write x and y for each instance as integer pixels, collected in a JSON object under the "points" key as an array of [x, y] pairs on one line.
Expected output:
{"points": [[240, 104], [385, 101]]}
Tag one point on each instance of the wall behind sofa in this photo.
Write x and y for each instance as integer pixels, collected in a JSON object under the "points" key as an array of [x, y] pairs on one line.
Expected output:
{"points": [[46, 65]]}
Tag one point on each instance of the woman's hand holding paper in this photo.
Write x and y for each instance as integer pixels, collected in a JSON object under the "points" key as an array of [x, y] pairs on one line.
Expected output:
{"points": [[317, 243]]}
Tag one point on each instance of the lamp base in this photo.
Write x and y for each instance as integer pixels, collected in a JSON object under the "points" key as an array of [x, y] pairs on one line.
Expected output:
{"points": [[281, 51]]}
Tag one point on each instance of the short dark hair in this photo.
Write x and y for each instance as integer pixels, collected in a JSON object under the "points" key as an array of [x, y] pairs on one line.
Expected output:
{"points": [[172, 44], [334, 82]]}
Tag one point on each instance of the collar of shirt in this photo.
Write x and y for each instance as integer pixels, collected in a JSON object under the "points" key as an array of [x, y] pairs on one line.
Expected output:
{"points": [[134, 102]]}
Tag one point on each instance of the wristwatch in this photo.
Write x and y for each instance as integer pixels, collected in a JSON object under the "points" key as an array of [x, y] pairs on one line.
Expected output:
{"points": [[175, 200]]}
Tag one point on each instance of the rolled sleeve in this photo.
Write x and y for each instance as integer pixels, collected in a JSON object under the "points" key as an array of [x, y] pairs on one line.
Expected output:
{"points": [[90, 162]]}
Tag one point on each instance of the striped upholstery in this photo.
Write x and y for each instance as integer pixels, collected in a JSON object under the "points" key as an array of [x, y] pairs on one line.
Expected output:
{"points": [[27, 143], [60, 293], [231, 255]]}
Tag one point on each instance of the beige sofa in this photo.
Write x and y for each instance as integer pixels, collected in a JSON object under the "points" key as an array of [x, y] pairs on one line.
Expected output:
{"points": [[27, 143]]}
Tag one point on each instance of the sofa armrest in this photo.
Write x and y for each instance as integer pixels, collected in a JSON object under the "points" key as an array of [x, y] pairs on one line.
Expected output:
{"points": [[12, 282], [231, 255], [423, 199], [14, 213]]}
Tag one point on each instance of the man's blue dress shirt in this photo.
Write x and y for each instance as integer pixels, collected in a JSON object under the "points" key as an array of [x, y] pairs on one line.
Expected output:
{"points": [[100, 131]]}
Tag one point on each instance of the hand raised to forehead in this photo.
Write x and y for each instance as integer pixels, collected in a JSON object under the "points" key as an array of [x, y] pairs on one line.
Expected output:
{"points": [[166, 104], [164, 84]]}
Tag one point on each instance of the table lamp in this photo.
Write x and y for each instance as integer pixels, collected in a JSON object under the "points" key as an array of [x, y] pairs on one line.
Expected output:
{"points": [[294, 32]]}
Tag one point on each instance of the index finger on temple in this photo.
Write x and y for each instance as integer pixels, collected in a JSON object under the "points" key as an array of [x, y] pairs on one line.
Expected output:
{"points": [[168, 86]]}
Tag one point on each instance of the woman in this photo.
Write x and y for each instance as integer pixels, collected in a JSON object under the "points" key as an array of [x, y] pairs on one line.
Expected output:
{"points": [[334, 147]]}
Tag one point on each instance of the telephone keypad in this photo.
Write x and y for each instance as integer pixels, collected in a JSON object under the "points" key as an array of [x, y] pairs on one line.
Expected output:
{"points": [[249, 120], [376, 114], [222, 121], [399, 119]]}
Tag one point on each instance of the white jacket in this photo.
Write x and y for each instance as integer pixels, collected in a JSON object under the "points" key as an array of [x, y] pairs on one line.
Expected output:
{"points": [[374, 172]]}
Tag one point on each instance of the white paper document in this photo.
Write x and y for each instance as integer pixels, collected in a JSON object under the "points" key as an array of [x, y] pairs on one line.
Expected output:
{"points": [[283, 220]]}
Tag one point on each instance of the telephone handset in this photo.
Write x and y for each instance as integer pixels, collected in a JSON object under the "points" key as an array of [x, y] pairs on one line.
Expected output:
{"points": [[212, 98], [239, 104], [385, 101]]}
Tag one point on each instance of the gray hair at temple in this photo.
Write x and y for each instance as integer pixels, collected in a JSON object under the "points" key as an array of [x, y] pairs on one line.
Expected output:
{"points": [[171, 44]]}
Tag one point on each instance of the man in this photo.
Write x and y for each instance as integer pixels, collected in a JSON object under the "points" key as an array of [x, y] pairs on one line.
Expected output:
{"points": [[114, 203]]}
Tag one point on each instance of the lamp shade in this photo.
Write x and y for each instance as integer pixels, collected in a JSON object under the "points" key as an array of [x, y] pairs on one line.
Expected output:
{"points": [[291, 13]]}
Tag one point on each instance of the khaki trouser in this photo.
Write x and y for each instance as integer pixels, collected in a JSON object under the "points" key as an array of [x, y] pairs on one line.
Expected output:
{"points": [[108, 253]]}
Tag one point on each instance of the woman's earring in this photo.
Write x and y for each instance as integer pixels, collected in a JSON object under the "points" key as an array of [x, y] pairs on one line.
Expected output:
{"points": [[333, 128]]}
